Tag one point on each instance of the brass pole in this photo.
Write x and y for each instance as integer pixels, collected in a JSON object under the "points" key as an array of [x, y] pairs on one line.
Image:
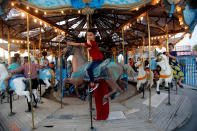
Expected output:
{"points": [[29, 62], [149, 118], [167, 48], [34, 49], [60, 70], [123, 45], [3, 54], [9, 46], [40, 42], [88, 26], [143, 42]]}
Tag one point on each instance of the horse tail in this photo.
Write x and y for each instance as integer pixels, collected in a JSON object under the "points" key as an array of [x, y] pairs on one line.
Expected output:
{"points": [[52, 78]]}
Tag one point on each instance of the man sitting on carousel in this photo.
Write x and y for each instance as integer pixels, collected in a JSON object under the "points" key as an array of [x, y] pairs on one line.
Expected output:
{"points": [[44, 62]]}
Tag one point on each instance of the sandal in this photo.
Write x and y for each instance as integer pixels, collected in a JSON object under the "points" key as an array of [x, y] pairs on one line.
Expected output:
{"points": [[181, 86]]}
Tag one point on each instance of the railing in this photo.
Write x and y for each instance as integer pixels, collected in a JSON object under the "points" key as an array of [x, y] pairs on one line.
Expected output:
{"points": [[189, 68]]}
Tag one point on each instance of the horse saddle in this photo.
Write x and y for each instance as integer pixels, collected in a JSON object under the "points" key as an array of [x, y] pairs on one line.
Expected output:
{"points": [[11, 84], [44, 73], [100, 72]]}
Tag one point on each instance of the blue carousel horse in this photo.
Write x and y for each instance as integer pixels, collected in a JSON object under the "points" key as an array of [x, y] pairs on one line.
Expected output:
{"points": [[18, 84]]}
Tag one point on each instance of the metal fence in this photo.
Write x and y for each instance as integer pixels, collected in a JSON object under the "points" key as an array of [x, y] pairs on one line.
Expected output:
{"points": [[189, 68]]}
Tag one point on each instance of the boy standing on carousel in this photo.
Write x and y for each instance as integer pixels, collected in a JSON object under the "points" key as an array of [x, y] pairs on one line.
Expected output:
{"points": [[96, 56]]}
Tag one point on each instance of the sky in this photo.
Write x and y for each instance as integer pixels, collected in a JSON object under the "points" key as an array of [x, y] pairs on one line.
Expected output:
{"points": [[188, 41]]}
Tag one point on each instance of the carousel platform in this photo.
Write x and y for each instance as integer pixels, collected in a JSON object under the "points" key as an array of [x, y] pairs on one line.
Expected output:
{"points": [[129, 112]]}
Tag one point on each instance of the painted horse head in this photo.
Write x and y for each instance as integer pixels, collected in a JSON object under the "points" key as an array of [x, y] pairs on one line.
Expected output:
{"points": [[162, 61]]}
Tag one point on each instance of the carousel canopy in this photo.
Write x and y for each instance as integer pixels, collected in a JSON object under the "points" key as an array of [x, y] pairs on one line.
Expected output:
{"points": [[114, 20]]}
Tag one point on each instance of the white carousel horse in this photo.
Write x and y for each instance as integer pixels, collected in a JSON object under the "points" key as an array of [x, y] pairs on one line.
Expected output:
{"points": [[166, 71], [132, 75], [17, 84], [45, 75], [142, 77]]}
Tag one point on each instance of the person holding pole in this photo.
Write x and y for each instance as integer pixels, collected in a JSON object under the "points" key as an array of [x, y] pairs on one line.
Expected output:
{"points": [[177, 73], [96, 56], [25, 68]]}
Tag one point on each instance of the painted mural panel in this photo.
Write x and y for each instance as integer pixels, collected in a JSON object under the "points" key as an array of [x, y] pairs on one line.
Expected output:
{"points": [[79, 3]]}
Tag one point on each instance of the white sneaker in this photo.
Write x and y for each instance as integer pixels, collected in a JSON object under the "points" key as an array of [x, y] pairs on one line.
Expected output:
{"points": [[95, 86]]}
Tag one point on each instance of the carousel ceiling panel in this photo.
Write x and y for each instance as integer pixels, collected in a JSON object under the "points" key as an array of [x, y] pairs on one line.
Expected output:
{"points": [[108, 22], [77, 4]]}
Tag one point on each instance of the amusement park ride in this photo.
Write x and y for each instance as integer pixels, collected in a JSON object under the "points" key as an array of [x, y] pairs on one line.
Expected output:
{"points": [[122, 26]]}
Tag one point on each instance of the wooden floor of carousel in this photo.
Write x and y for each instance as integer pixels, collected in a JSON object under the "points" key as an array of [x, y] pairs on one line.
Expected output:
{"points": [[129, 112]]}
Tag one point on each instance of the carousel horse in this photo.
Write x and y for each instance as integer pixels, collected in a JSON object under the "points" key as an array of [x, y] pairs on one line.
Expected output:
{"points": [[109, 71], [17, 83], [165, 73], [132, 75], [47, 76], [142, 78]]}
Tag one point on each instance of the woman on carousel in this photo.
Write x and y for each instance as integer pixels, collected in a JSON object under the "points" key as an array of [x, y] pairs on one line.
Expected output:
{"points": [[177, 72]]}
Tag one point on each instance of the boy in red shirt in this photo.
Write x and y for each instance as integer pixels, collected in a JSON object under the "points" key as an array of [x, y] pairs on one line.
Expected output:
{"points": [[95, 54]]}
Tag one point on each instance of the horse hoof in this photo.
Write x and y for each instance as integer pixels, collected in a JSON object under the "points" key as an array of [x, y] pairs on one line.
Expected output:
{"points": [[158, 92]]}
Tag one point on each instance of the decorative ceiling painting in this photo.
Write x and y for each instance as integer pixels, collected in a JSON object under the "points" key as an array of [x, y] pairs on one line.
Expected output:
{"points": [[78, 4]]}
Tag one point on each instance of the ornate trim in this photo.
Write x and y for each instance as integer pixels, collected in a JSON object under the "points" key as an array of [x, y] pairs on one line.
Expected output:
{"points": [[109, 6]]}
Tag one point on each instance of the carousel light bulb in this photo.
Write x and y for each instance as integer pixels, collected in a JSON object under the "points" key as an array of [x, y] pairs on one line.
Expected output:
{"points": [[141, 18], [27, 7], [45, 13], [45, 25], [62, 12], [40, 22], [55, 30], [13, 41], [169, 35], [17, 41], [186, 27], [157, 1], [21, 41], [12, 3], [22, 14], [79, 11], [35, 20], [178, 8], [162, 37], [62, 33], [137, 9], [36, 11]]}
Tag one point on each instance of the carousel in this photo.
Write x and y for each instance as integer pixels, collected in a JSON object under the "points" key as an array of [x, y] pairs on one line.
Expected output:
{"points": [[129, 91]]}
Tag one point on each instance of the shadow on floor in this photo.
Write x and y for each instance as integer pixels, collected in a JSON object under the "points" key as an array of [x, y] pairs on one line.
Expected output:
{"points": [[191, 125]]}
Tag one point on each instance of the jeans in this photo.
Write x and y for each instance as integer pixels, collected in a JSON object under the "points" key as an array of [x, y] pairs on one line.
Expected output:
{"points": [[90, 69]]}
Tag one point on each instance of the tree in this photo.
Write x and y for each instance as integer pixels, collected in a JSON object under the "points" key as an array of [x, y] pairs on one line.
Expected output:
{"points": [[195, 48]]}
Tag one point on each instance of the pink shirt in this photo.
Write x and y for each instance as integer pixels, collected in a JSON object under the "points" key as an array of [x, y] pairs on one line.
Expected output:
{"points": [[25, 68]]}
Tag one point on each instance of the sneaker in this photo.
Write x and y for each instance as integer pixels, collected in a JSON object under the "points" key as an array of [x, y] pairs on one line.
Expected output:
{"points": [[105, 100], [96, 86]]}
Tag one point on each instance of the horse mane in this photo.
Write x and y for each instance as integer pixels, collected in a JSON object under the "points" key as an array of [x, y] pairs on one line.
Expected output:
{"points": [[82, 50], [3, 72]]}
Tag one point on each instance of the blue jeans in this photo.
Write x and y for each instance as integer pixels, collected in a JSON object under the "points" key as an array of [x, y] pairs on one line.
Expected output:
{"points": [[90, 69]]}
